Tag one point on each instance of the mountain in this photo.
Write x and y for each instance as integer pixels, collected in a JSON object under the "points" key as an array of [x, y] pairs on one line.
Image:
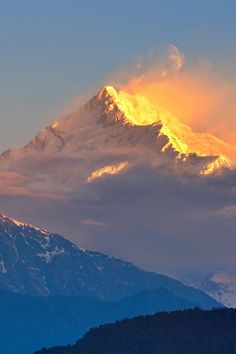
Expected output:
{"points": [[113, 132], [58, 320], [36, 262], [125, 119], [192, 331]]}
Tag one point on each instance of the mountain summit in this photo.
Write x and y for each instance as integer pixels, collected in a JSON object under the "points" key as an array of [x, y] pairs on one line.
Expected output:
{"points": [[110, 107], [114, 128]]}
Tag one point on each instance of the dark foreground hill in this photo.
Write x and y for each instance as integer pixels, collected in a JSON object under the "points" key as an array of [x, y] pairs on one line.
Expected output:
{"points": [[183, 332]]}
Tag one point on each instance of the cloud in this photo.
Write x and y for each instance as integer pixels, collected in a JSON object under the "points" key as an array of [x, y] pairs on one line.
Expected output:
{"points": [[199, 92], [91, 222], [230, 209], [176, 57], [161, 222], [14, 178], [156, 219], [16, 184]]}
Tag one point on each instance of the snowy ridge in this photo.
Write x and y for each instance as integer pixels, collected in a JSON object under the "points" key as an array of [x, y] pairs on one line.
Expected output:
{"points": [[4, 218]]}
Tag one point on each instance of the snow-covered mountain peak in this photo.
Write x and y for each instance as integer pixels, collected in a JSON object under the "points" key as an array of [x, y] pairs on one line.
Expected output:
{"points": [[116, 128]]}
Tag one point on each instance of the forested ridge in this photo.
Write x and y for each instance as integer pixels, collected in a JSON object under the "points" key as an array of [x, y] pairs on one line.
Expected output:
{"points": [[180, 332]]}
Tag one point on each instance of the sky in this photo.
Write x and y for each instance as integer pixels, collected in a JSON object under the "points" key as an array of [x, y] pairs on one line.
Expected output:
{"points": [[54, 51]]}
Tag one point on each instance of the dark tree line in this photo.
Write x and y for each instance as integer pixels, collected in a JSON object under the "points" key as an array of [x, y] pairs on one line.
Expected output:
{"points": [[181, 332]]}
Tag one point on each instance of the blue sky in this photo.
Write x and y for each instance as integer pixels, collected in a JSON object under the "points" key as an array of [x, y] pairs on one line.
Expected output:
{"points": [[51, 51]]}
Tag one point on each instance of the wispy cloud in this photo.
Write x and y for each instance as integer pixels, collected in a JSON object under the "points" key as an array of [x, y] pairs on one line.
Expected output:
{"points": [[91, 222], [199, 92]]}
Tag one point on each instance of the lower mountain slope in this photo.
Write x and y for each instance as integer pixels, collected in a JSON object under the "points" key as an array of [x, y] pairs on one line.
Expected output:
{"points": [[192, 331], [58, 320]]}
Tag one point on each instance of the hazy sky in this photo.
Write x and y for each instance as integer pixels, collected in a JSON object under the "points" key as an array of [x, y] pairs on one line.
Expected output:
{"points": [[51, 51]]}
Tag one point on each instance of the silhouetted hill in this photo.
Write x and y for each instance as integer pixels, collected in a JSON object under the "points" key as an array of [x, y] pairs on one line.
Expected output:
{"points": [[186, 332]]}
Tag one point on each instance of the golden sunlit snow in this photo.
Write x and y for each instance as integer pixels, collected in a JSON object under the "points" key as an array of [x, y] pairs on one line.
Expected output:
{"points": [[137, 110], [107, 170]]}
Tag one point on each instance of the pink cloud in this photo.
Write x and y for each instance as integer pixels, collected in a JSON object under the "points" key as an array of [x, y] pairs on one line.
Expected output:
{"points": [[14, 184], [92, 222]]}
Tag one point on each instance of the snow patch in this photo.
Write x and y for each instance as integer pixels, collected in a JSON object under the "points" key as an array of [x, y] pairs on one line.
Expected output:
{"points": [[49, 255], [3, 269]]}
